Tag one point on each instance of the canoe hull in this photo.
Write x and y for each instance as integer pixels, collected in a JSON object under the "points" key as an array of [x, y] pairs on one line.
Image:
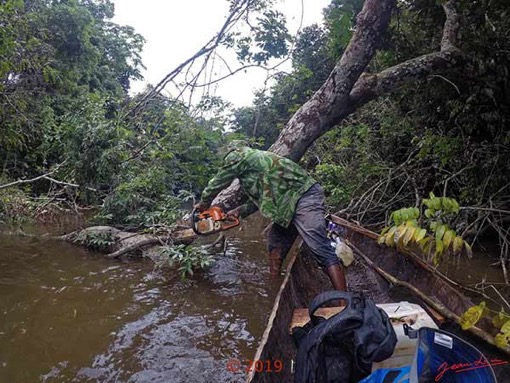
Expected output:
{"points": [[304, 280]]}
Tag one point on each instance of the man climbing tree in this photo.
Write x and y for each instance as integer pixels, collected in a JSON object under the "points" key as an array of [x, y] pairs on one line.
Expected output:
{"points": [[285, 193]]}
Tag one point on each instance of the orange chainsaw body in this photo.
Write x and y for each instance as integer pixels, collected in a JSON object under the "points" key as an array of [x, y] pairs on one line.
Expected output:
{"points": [[212, 220]]}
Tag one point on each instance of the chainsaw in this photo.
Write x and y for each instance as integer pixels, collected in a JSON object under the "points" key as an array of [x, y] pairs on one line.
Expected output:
{"points": [[212, 220]]}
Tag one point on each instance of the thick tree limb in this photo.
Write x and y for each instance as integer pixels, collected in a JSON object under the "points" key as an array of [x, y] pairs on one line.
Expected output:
{"points": [[370, 87], [346, 89], [123, 242]]}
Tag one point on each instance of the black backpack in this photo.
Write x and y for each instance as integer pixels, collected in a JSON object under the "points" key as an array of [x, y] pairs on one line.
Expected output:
{"points": [[341, 349]]}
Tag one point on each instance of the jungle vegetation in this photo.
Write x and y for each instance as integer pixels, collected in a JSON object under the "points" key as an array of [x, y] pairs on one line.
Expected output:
{"points": [[74, 136]]}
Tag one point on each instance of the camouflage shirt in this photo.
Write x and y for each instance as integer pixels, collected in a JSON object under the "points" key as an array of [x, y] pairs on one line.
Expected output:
{"points": [[273, 183]]}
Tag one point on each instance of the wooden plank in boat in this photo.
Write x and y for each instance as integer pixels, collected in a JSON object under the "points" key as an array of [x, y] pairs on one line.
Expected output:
{"points": [[300, 317], [395, 311]]}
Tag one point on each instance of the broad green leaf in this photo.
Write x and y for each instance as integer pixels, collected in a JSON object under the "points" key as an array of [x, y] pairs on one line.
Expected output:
{"points": [[426, 245], [447, 204], [500, 319], [438, 252], [456, 207], [400, 234], [439, 246], [457, 244], [420, 234], [472, 316], [411, 223], [409, 235], [440, 232], [447, 238], [503, 337], [390, 237]]}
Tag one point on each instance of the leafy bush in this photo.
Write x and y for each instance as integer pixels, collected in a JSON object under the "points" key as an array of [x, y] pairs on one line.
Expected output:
{"points": [[14, 205], [143, 199], [100, 241], [187, 258], [407, 228]]}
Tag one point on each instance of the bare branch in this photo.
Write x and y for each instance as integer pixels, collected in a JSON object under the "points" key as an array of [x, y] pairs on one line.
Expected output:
{"points": [[234, 16], [66, 183], [20, 182], [485, 209]]}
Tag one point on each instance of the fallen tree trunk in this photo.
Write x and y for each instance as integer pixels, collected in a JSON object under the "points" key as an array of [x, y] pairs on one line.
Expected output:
{"points": [[116, 242]]}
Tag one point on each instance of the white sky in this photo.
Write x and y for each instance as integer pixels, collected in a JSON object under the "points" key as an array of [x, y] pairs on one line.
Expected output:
{"points": [[175, 29]]}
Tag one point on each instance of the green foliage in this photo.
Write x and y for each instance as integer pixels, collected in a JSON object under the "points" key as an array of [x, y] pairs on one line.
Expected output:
{"points": [[330, 177], [472, 316], [14, 205], [269, 113], [440, 206], [53, 57], [142, 200], [503, 337], [269, 39], [100, 241], [405, 230], [187, 258], [405, 214], [340, 20], [501, 320]]}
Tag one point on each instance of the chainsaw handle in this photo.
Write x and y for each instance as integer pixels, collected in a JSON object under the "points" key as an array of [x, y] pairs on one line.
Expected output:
{"points": [[194, 218], [232, 218]]}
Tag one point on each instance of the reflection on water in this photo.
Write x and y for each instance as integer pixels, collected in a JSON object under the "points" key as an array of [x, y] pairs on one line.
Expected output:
{"points": [[68, 315]]}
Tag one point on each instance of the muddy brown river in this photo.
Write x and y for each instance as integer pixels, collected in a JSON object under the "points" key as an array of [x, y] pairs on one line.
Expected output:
{"points": [[69, 315]]}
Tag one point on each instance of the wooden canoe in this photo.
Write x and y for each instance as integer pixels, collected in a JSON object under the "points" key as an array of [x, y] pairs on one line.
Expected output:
{"points": [[303, 280]]}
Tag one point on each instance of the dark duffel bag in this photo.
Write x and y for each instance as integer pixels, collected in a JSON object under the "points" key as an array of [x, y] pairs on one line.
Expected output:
{"points": [[341, 349]]}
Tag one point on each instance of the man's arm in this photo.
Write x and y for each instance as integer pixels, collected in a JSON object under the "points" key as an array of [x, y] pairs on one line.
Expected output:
{"points": [[226, 174]]}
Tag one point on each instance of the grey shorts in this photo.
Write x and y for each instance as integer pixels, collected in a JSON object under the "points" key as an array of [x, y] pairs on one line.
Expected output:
{"points": [[309, 222]]}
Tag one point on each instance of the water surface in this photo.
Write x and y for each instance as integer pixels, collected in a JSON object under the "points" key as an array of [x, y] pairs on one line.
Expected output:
{"points": [[69, 315]]}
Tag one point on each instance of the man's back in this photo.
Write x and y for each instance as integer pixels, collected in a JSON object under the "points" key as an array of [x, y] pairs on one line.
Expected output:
{"points": [[273, 183]]}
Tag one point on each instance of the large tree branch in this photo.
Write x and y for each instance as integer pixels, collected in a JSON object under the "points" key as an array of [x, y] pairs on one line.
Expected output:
{"points": [[372, 21], [330, 104], [346, 89], [370, 87]]}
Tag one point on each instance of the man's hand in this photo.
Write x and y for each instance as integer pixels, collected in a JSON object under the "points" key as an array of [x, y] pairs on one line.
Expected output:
{"points": [[200, 206]]}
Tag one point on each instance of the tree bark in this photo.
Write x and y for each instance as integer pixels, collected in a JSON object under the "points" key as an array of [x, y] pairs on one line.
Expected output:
{"points": [[123, 242], [347, 88]]}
